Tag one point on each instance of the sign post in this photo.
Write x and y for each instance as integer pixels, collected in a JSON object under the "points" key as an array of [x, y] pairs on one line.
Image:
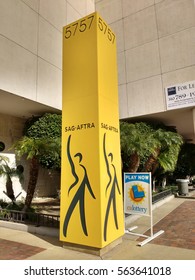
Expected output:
{"points": [[91, 184], [138, 200]]}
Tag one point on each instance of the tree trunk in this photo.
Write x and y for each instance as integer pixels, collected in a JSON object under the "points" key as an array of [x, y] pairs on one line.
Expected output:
{"points": [[134, 163], [154, 184], [155, 167], [9, 188], [151, 161], [34, 171]]}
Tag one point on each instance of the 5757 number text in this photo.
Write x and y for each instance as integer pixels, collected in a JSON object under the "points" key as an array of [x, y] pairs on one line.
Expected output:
{"points": [[79, 26], [86, 24]]}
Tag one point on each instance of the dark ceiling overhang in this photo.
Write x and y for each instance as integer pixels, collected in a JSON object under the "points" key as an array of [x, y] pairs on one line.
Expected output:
{"points": [[18, 106], [181, 119], [21, 107]]}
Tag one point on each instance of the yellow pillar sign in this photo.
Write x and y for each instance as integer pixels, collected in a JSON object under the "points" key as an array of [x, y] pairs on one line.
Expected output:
{"points": [[91, 186]]}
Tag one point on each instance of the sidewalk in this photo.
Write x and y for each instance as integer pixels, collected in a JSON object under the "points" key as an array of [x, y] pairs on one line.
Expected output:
{"points": [[176, 217]]}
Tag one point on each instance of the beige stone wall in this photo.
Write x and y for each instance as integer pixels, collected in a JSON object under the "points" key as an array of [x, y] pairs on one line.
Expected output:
{"points": [[11, 129], [155, 41], [31, 63], [31, 46]]}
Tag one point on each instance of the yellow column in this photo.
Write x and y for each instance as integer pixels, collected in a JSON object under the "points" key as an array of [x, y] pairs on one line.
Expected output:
{"points": [[91, 185]]}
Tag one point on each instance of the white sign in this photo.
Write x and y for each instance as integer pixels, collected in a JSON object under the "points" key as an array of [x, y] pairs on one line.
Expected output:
{"points": [[138, 200], [180, 95], [137, 193]]}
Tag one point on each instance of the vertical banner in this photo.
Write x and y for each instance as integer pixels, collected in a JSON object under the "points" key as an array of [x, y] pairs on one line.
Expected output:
{"points": [[91, 185], [137, 193]]}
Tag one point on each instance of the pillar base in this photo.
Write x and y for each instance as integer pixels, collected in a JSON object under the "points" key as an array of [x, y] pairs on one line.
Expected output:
{"points": [[92, 250]]}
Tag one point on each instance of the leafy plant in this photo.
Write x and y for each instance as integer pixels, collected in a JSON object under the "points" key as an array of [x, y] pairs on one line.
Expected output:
{"points": [[146, 148], [34, 149], [47, 126], [137, 143], [166, 152], [8, 172]]}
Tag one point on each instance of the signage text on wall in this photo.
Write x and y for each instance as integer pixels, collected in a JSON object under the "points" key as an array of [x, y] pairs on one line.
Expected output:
{"points": [[180, 95]]}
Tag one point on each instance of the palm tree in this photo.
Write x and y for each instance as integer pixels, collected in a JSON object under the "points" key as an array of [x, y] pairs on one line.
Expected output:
{"points": [[9, 172], [136, 143], [34, 149], [166, 153]]}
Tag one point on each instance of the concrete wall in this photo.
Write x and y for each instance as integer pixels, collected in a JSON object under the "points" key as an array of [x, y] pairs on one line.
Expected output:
{"points": [[156, 41], [31, 46], [31, 66], [10, 130]]}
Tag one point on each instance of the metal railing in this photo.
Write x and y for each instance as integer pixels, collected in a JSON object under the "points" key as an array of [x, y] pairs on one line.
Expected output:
{"points": [[161, 195], [51, 220], [37, 219]]}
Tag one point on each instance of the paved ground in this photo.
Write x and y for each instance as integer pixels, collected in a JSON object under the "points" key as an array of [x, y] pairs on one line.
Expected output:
{"points": [[10, 250], [176, 217], [179, 227]]}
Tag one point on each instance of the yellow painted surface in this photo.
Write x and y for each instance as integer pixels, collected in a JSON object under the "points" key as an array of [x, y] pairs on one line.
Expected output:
{"points": [[91, 184]]}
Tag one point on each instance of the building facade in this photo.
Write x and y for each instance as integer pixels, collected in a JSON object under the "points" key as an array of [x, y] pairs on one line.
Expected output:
{"points": [[31, 70], [155, 51], [156, 43]]}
